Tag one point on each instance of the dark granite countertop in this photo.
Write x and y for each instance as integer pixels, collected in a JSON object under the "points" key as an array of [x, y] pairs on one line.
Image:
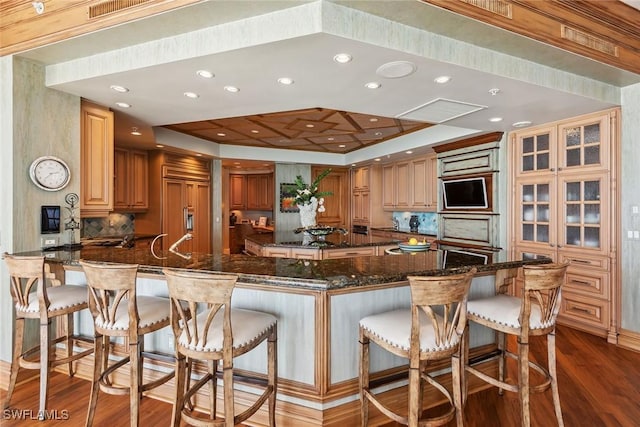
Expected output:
{"points": [[333, 240], [302, 274]]}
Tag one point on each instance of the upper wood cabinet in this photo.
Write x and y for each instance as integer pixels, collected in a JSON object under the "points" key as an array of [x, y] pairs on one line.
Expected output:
{"points": [[366, 196], [410, 185], [96, 160], [251, 192], [260, 192], [238, 192], [131, 180]]}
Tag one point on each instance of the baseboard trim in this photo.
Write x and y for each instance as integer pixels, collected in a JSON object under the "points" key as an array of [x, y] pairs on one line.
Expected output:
{"points": [[629, 340]]}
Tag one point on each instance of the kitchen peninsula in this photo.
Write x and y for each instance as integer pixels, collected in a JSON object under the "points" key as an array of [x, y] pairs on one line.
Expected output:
{"points": [[318, 304]]}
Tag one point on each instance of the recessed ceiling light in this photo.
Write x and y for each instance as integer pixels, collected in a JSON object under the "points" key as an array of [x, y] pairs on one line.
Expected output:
{"points": [[198, 155], [342, 58], [123, 105], [285, 81], [330, 138], [378, 134], [494, 91], [191, 95], [378, 159], [408, 152], [442, 79], [495, 119], [341, 146], [204, 74], [134, 131], [120, 89], [255, 131], [372, 85], [231, 89], [159, 146], [236, 163], [309, 125], [373, 119], [221, 134], [521, 124]]}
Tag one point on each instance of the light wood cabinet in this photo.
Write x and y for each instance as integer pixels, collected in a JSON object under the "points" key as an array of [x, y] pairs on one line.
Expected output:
{"points": [[563, 199], [260, 192], [349, 253], [96, 160], [296, 253], [251, 192], [410, 185], [366, 197], [237, 193], [130, 180]]}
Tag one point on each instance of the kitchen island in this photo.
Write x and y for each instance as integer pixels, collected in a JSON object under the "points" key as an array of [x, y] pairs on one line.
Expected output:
{"points": [[318, 304]]}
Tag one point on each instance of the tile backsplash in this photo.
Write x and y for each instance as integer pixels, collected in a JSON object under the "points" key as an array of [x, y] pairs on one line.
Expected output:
{"points": [[114, 225], [428, 221]]}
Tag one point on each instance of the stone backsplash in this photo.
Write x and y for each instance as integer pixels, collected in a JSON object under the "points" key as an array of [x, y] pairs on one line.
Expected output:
{"points": [[114, 225], [428, 221]]}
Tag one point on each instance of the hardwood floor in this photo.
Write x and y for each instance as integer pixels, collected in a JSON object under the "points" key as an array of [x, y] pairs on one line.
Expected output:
{"points": [[599, 386]]}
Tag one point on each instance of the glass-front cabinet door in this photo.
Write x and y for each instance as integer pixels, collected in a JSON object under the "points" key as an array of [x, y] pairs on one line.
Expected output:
{"points": [[584, 144], [536, 210], [584, 211], [536, 151]]}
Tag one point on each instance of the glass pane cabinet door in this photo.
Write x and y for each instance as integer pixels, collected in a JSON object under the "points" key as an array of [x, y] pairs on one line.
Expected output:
{"points": [[583, 211], [536, 151], [584, 144], [536, 206]]}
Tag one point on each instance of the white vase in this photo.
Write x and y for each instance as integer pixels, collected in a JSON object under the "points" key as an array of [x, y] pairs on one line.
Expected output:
{"points": [[308, 213]]}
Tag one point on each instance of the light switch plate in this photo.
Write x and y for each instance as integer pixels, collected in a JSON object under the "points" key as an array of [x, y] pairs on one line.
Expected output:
{"points": [[48, 242]]}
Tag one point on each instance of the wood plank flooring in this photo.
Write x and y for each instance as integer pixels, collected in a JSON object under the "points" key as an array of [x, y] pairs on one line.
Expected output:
{"points": [[599, 387]]}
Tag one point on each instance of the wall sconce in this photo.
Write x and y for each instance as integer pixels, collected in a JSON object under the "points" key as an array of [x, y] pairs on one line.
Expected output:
{"points": [[38, 6], [134, 131]]}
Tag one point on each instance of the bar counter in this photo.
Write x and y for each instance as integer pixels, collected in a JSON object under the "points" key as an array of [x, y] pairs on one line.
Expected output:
{"points": [[327, 274], [318, 305]]}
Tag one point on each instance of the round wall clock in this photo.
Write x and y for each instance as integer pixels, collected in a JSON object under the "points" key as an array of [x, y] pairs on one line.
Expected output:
{"points": [[50, 173]]}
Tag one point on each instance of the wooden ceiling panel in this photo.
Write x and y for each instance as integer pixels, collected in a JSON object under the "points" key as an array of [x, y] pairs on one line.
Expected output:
{"points": [[311, 129]]}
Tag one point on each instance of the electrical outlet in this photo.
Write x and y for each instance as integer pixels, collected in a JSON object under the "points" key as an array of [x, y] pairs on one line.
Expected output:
{"points": [[636, 234], [171, 341], [49, 241], [629, 234]]}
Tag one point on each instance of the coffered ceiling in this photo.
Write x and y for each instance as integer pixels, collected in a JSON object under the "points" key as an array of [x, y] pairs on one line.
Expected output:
{"points": [[313, 129]]}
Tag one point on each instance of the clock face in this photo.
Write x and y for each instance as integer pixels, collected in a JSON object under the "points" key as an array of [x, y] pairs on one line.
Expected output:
{"points": [[50, 173]]}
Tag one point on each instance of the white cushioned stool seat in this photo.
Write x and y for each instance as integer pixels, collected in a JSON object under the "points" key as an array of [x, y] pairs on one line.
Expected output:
{"points": [[503, 310], [60, 297], [247, 326], [151, 310], [394, 327]]}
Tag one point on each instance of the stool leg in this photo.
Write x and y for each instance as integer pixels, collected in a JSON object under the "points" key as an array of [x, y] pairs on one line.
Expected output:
{"points": [[213, 388], [229, 410], [415, 384], [523, 381], [98, 367], [502, 359], [551, 351], [44, 366], [69, 328], [135, 372], [364, 379], [15, 362], [464, 351], [272, 356], [457, 373], [178, 400]]}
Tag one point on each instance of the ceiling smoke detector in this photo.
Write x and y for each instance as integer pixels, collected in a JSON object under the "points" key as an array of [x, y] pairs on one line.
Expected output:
{"points": [[396, 69]]}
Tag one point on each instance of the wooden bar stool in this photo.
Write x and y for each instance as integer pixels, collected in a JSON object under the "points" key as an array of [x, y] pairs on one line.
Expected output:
{"points": [[50, 300], [118, 312], [217, 333], [430, 330], [533, 314]]}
